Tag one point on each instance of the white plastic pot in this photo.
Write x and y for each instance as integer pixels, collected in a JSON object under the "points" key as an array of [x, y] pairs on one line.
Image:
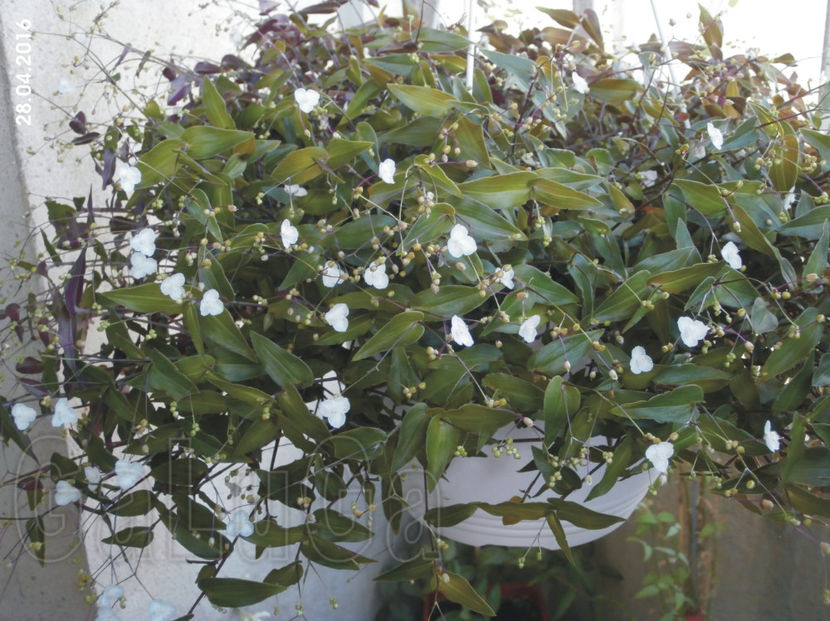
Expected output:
{"points": [[495, 480]]}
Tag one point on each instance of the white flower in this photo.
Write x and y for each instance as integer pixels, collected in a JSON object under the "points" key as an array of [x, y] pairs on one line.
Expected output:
{"points": [[386, 170], [715, 136], [110, 595], [239, 525], [211, 304], [66, 494], [649, 177], [528, 328], [692, 331], [144, 242], [64, 414], [641, 362], [506, 278], [292, 189], [460, 244], [337, 317], [173, 287], [771, 438], [306, 99], [334, 409], [730, 254], [161, 611], [128, 177], [659, 455], [288, 233], [332, 274], [254, 616], [580, 84], [65, 86], [93, 476], [106, 614], [128, 472], [23, 415], [698, 152], [141, 266], [460, 333], [376, 276]]}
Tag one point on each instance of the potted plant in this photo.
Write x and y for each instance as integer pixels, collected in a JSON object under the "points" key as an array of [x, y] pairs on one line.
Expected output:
{"points": [[346, 246]]}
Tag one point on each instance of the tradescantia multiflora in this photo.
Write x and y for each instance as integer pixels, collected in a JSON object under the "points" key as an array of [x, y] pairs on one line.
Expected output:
{"points": [[345, 246]]}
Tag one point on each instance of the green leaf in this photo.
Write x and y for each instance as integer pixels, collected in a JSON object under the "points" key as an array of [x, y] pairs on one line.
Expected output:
{"points": [[812, 468], [281, 366], [674, 406], [423, 99], [704, 197], [442, 442], [561, 196], [551, 358], [268, 534], [817, 262], [359, 443], [500, 191], [581, 516], [761, 319], [182, 471], [615, 90], [810, 225], [623, 454], [806, 502], [139, 502], [413, 569], [403, 329], [486, 222], [235, 592], [792, 352], [146, 298], [458, 590], [450, 300], [319, 550], [561, 402], [342, 152], [475, 418], [411, 436], [300, 166], [450, 515], [215, 108], [625, 300], [337, 527], [221, 330], [559, 534], [136, 537], [203, 141], [784, 170], [160, 163], [164, 376], [520, 393], [677, 281]]}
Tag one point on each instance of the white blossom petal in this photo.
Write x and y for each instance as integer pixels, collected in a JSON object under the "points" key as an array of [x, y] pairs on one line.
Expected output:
{"points": [[141, 265], [93, 477], [211, 304], [128, 177], [580, 83], [460, 243], [528, 328], [386, 170], [649, 177], [692, 331], [771, 438], [293, 189], [109, 596], [173, 287], [375, 276], [730, 254], [128, 473], [289, 235], [337, 317], [239, 525], [332, 275], [65, 86], [161, 611], [506, 277], [66, 494], [460, 333], [307, 99], [641, 362], [715, 136], [334, 409], [64, 414], [23, 416], [659, 455], [144, 242]]}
